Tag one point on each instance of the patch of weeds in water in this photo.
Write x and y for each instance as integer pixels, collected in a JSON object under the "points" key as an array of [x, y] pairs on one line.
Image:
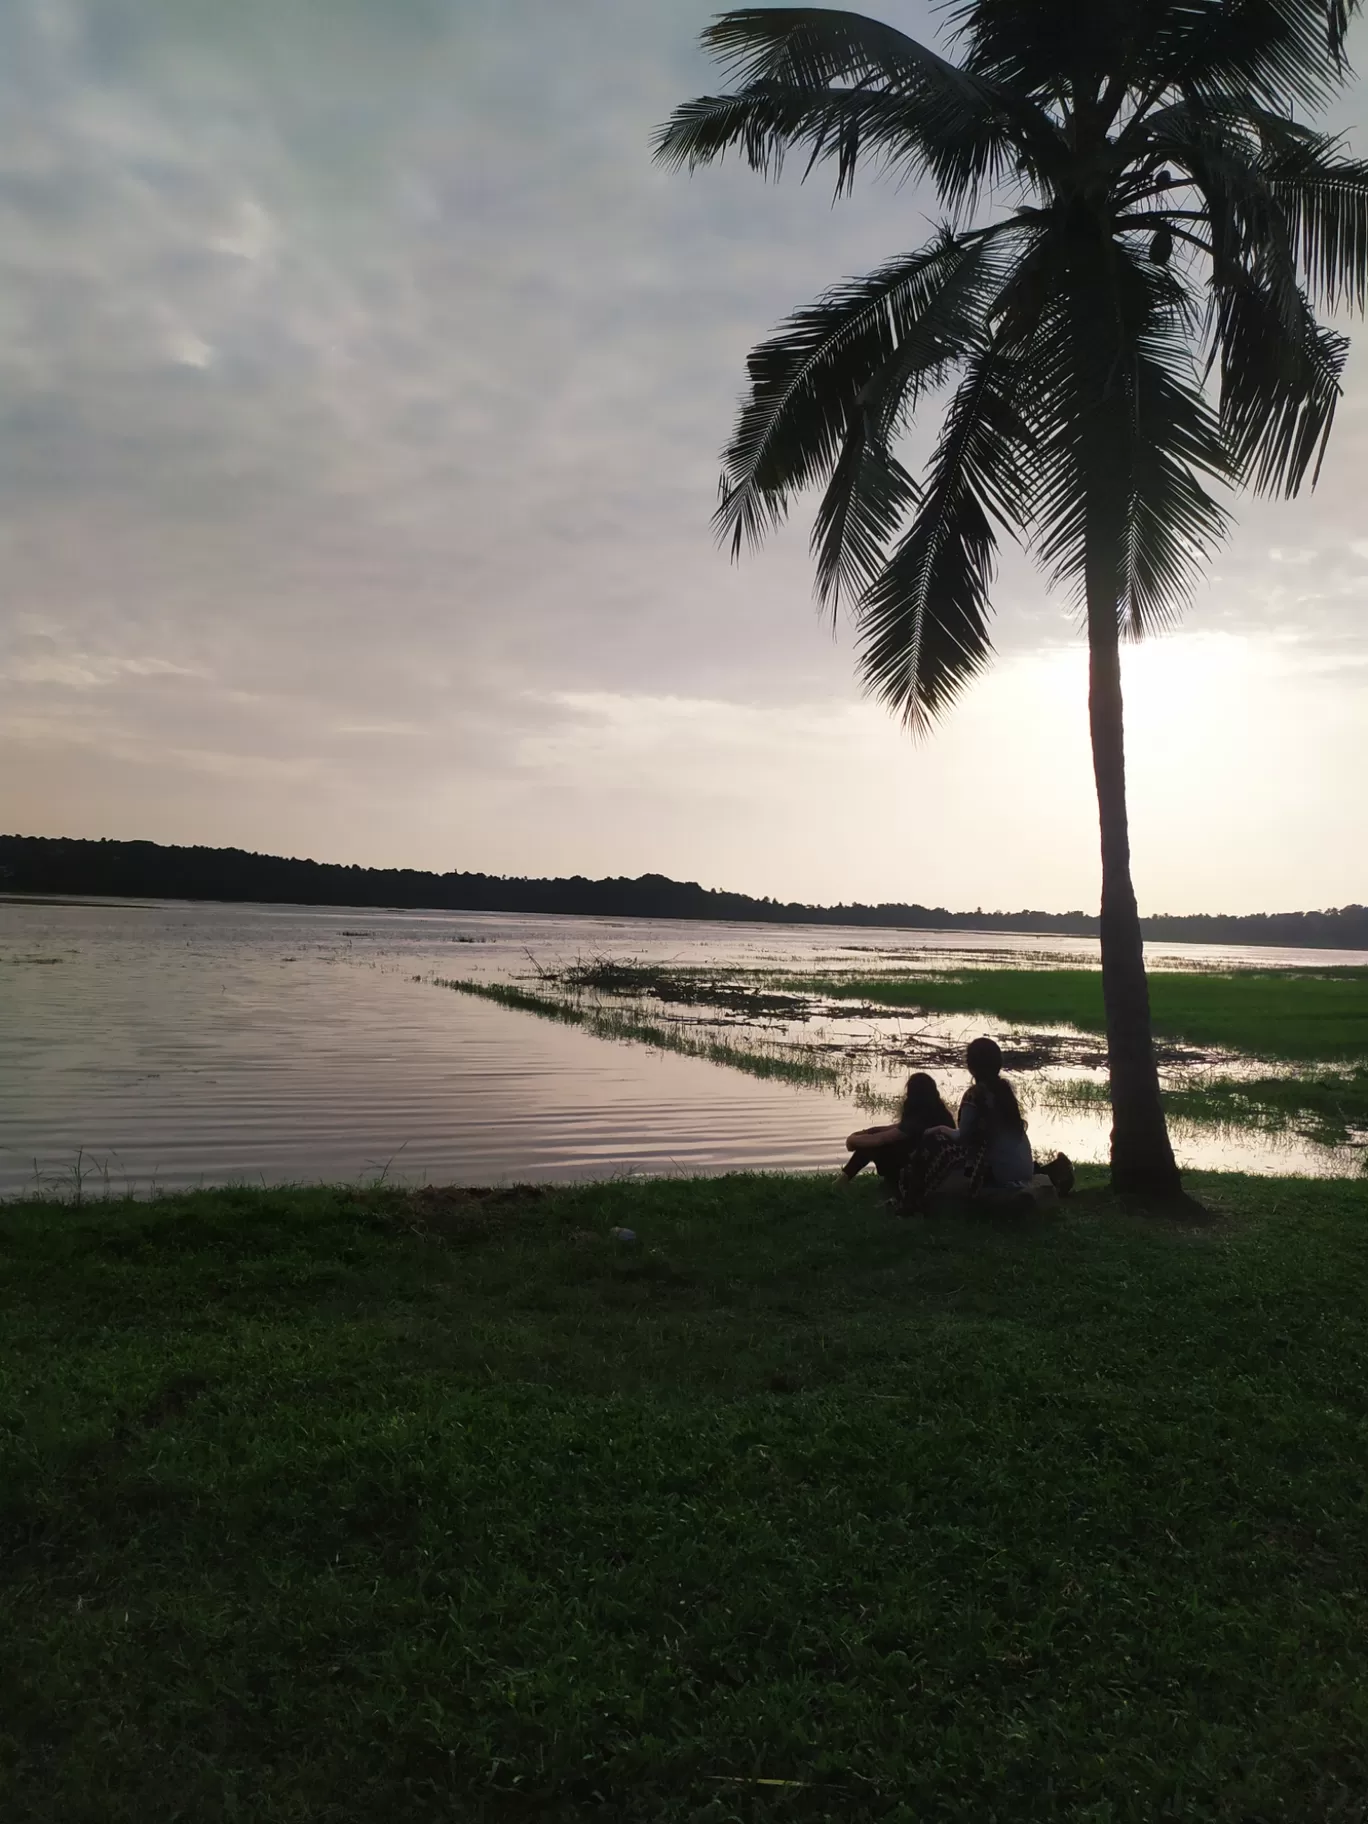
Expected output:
{"points": [[697, 988], [758, 1059], [1328, 1107], [612, 975], [767, 996]]}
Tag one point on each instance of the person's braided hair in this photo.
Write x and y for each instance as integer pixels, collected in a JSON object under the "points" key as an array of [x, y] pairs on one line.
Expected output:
{"points": [[995, 1094]]}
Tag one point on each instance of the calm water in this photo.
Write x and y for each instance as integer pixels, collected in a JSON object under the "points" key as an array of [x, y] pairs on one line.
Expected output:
{"points": [[167, 1044]]}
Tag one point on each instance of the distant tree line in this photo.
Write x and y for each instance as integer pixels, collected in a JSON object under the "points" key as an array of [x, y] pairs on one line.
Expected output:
{"points": [[152, 870]]}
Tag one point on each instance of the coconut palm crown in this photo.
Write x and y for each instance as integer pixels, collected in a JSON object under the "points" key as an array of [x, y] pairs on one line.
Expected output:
{"points": [[1117, 318]]}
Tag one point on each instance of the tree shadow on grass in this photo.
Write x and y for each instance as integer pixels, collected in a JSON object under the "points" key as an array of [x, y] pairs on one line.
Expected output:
{"points": [[1182, 1211]]}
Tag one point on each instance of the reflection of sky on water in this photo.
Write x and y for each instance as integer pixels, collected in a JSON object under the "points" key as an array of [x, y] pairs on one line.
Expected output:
{"points": [[177, 1044]]}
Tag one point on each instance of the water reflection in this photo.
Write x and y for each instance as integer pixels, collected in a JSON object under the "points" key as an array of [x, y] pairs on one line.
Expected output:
{"points": [[168, 1044]]}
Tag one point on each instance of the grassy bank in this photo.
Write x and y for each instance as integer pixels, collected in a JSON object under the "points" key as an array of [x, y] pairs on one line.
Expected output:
{"points": [[1306, 1015], [332, 1506]]}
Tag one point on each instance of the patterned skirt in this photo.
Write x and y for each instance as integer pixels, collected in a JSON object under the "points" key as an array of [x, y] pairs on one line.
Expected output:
{"points": [[936, 1159]]}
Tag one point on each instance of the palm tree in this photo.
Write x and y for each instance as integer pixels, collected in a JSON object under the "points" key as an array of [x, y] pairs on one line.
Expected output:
{"points": [[1153, 223]]}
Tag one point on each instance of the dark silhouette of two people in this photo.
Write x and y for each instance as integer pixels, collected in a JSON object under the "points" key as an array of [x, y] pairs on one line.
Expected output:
{"points": [[985, 1148]]}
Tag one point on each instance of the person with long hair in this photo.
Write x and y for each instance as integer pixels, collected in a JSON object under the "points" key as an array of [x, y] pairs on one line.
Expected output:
{"points": [[988, 1144], [888, 1149]]}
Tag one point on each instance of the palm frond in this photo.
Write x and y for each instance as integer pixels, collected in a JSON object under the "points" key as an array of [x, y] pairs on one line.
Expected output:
{"points": [[1047, 48], [1245, 218], [1172, 522], [1276, 206], [806, 384], [1339, 13], [834, 80], [924, 621], [811, 46], [1324, 201], [1285, 53], [865, 502], [1279, 384], [869, 492], [767, 120]]}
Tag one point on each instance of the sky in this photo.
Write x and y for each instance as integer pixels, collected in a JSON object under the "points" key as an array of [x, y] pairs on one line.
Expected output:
{"points": [[363, 384]]}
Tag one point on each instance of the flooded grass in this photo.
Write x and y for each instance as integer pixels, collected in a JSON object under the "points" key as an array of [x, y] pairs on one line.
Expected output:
{"points": [[769, 999], [1318, 1015], [1307, 1015], [732, 993], [756, 1058], [1327, 1107], [1204, 1020], [327, 1505]]}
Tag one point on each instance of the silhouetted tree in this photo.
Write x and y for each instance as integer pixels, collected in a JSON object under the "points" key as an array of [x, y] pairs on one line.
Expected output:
{"points": [[1151, 219]]}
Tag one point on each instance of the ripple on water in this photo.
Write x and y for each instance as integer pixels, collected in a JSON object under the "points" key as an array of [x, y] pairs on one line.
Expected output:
{"points": [[175, 1044]]}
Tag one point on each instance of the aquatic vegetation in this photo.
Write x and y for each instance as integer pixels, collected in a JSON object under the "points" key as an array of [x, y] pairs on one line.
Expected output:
{"points": [[733, 991], [769, 997], [757, 1058], [721, 1016], [1300, 1014], [1328, 1107]]}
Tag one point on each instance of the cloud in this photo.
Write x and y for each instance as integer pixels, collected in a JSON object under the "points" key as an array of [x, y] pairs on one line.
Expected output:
{"points": [[83, 671], [361, 386]]}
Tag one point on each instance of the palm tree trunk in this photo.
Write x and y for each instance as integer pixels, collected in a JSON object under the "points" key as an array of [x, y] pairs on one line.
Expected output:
{"points": [[1141, 1156]]}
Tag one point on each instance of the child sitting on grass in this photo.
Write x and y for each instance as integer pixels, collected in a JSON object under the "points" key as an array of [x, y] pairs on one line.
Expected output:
{"points": [[888, 1149]]}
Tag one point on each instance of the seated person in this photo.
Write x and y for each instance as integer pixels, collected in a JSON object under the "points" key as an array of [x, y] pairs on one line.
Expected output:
{"points": [[989, 1144], [889, 1148]]}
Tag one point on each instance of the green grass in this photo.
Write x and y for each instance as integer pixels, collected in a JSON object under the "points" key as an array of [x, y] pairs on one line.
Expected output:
{"points": [[319, 1505], [1307, 1015]]}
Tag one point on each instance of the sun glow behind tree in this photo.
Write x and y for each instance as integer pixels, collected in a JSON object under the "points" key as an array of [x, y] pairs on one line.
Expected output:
{"points": [[1130, 333]]}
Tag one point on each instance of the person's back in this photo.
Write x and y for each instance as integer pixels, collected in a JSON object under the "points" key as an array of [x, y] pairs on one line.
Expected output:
{"points": [[990, 1118]]}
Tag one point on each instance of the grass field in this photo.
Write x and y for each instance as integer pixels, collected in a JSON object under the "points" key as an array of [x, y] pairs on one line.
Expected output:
{"points": [[329, 1506], [1306, 1015]]}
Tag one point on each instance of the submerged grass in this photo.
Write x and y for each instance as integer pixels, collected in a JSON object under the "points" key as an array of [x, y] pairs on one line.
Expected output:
{"points": [[736, 991], [1297, 1014], [326, 1506], [1269, 1013], [787, 1062], [1327, 1107]]}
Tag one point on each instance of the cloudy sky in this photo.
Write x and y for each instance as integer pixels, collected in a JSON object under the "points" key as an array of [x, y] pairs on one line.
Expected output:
{"points": [[363, 384]]}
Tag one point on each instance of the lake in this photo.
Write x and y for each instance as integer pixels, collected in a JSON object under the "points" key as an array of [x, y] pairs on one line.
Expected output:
{"points": [[147, 1045]]}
